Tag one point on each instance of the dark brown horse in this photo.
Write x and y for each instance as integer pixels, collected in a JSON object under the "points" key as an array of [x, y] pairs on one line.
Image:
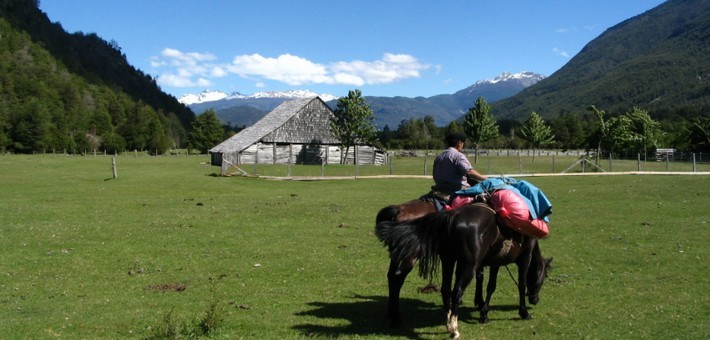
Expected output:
{"points": [[464, 239]]}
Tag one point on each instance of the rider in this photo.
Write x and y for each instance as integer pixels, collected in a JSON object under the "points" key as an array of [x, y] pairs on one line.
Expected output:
{"points": [[452, 168]]}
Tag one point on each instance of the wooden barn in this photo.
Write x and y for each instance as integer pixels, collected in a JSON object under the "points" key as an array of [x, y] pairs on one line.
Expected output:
{"points": [[295, 132]]}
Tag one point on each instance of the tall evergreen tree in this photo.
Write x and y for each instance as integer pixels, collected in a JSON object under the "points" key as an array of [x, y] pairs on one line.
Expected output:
{"points": [[479, 124], [206, 131], [536, 132], [352, 122]]}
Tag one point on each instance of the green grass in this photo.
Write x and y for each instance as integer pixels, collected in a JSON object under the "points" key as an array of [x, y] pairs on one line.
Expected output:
{"points": [[87, 256]]}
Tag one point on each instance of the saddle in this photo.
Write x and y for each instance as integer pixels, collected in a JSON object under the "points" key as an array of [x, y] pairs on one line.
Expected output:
{"points": [[446, 202]]}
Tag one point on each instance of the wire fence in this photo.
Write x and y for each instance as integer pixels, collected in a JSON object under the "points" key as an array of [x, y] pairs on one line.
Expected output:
{"points": [[492, 162], [499, 163]]}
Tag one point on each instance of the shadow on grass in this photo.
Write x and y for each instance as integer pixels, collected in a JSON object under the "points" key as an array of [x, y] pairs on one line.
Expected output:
{"points": [[367, 316]]}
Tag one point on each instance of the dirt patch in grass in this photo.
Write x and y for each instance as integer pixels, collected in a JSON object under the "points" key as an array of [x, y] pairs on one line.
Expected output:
{"points": [[166, 287]]}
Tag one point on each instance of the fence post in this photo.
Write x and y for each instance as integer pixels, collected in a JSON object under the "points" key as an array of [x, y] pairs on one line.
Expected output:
{"points": [[520, 160], [611, 164], [113, 167], [322, 168], [693, 161], [553, 163], [425, 160], [391, 161], [667, 163], [638, 162]]}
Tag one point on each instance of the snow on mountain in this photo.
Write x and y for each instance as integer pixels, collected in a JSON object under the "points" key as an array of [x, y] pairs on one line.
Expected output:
{"points": [[525, 78], [210, 96], [204, 96]]}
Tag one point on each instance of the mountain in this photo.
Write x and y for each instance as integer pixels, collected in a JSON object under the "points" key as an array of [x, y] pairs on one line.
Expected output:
{"points": [[207, 96], [657, 61], [77, 92], [239, 109]]}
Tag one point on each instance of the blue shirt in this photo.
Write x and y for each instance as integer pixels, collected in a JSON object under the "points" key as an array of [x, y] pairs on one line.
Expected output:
{"points": [[450, 168]]}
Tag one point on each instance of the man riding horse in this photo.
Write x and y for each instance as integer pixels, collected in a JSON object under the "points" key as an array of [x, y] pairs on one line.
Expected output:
{"points": [[452, 169]]}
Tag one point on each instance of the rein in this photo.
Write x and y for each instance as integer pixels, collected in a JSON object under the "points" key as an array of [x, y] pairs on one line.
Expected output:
{"points": [[485, 205], [511, 275]]}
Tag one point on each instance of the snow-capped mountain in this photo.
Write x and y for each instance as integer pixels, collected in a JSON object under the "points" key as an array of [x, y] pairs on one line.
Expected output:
{"points": [[502, 86], [238, 109], [204, 96], [524, 78], [212, 96]]}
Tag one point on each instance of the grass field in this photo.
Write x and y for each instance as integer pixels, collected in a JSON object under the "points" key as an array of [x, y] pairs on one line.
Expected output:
{"points": [[169, 248]]}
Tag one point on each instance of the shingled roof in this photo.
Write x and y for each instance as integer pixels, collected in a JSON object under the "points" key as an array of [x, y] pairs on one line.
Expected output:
{"points": [[267, 125]]}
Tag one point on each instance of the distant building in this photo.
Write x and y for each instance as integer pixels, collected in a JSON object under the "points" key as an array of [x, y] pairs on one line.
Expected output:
{"points": [[295, 132]]}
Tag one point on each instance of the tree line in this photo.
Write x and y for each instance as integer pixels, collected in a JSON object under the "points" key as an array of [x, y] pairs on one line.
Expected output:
{"points": [[627, 133], [76, 92]]}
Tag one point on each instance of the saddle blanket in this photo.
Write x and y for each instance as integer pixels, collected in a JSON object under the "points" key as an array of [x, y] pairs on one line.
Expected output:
{"points": [[521, 205], [514, 212]]}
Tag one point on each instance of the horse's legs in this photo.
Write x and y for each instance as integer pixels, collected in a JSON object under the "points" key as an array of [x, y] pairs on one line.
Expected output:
{"points": [[523, 266], [490, 289], [478, 299], [447, 273], [395, 280], [464, 274]]}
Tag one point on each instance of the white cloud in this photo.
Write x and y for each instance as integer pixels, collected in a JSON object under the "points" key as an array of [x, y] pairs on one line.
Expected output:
{"points": [[218, 72], [285, 68], [560, 52], [182, 69], [389, 69], [202, 82], [169, 79]]}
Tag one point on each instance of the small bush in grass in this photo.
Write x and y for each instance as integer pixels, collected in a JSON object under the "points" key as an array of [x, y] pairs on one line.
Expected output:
{"points": [[170, 328], [174, 327], [212, 320]]}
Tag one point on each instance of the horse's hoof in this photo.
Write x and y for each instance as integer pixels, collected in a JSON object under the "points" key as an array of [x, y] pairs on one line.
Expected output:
{"points": [[483, 320], [525, 316], [455, 335]]}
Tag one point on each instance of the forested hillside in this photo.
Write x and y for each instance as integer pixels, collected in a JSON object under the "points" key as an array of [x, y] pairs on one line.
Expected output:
{"points": [[77, 92], [657, 61]]}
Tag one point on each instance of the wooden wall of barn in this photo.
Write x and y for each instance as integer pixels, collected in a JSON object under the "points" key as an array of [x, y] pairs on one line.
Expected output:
{"points": [[272, 153]]}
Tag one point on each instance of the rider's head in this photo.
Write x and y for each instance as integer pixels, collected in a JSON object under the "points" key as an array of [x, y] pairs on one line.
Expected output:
{"points": [[454, 139]]}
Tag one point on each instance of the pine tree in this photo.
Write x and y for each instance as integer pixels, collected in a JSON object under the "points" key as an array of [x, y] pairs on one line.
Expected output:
{"points": [[536, 132], [352, 122], [206, 131], [479, 125]]}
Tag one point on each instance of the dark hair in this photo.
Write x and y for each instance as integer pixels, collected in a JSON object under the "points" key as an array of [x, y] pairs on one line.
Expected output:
{"points": [[453, 139]]}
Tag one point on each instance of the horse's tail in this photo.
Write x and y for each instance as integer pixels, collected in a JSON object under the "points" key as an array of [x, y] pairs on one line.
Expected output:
{"points": [[388, 213], [417, 239]]}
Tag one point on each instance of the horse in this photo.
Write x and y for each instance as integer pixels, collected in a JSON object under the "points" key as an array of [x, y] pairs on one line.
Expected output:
{"points": [[465, 239], [397, 273], [406, 211]]}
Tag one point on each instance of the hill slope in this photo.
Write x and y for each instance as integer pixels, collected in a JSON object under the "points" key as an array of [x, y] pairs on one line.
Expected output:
{"points": [[657, 61], [76, 91]]}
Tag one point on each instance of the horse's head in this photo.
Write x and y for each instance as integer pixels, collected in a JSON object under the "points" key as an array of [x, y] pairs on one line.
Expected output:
{"points": [[539, 268]]}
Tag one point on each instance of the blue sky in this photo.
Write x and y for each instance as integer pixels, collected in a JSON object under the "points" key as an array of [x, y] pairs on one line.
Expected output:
{"points": [[384, 48]]}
